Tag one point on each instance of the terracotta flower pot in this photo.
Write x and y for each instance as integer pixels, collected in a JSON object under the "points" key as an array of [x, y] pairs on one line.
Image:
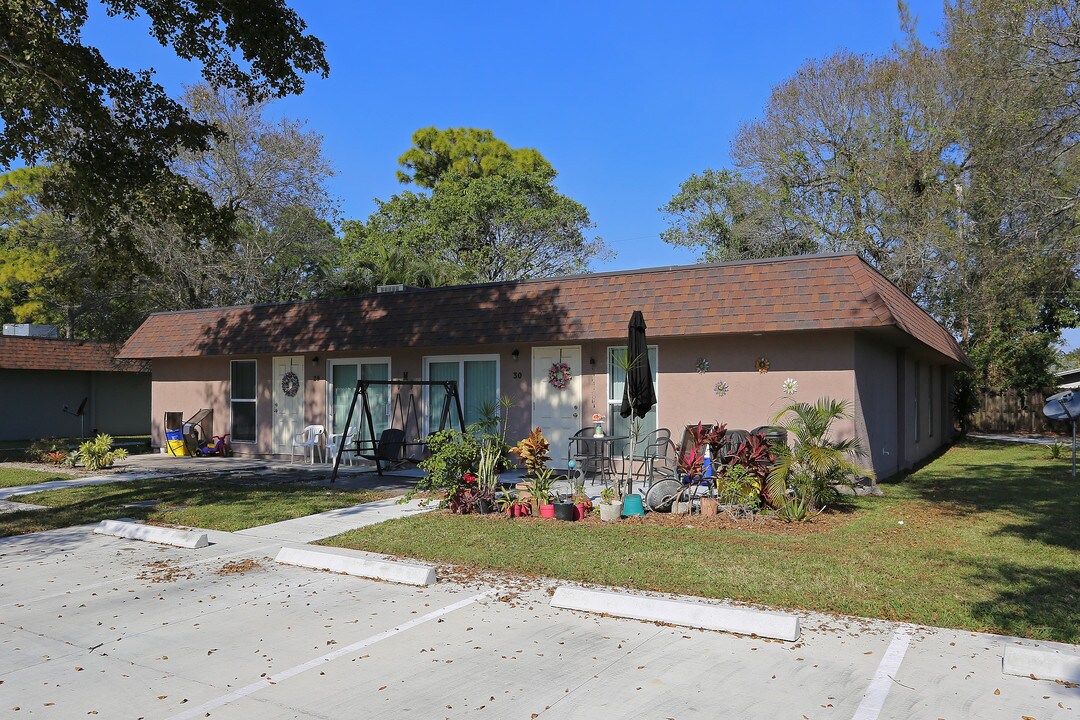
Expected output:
{"points": [[547, 511], [580, 511]]}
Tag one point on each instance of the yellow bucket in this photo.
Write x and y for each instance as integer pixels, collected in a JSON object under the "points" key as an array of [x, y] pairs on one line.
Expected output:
{"points": [[175, 443]]}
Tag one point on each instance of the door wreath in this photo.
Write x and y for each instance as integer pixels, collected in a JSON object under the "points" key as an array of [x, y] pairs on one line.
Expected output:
{"points": [[290, 384], [559, 375]]}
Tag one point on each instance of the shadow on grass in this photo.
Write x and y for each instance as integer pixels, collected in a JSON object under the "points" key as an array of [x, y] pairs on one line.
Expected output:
{"points": [[225, 505], [1040, 602], [1041, 497]]}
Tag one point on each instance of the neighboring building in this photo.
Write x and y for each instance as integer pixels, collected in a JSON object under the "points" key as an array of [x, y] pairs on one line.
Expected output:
{"points": [[44, 382], [830, 322], [1068, 379]]}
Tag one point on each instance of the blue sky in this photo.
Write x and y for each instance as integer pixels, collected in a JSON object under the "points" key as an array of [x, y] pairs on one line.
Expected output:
{"points": [[626, 100]]}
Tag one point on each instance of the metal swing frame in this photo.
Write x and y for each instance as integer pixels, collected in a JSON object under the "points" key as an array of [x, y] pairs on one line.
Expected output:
{"points": [[451, 393]]}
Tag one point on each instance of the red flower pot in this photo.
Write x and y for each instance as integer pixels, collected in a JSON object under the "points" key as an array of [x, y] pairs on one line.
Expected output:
{"points": [[579, 511], [547, 511]]}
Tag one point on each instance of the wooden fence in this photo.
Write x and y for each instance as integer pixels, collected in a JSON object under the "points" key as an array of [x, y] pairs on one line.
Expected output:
{"points": [[1012, 412]]}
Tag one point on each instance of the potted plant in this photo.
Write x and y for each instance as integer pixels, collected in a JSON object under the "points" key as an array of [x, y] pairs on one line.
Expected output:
{"points": [[540, 488], [582, 504], [610, 507], [564, 507], [487, 479], [598, 421], [533, 452]]}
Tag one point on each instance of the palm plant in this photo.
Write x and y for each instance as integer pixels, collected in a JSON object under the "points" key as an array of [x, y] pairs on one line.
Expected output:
{"points": [[817, 462]]}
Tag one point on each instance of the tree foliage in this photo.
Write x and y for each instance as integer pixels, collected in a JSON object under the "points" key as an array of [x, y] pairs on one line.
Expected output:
{"points": [[500, 218], [271, 176], [50, 273], [111, 133], [954, 171], [465, 153]]}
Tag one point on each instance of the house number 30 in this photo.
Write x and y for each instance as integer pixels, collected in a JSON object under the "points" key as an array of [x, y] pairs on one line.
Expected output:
{"points": [[517, 376]]}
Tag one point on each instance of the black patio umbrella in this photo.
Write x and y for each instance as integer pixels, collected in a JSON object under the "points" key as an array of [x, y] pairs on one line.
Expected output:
{"points": [[639, 395]]}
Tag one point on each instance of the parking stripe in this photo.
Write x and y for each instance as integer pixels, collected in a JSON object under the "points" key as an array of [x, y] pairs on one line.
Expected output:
{"points": [[874, 697], [278, 677]]}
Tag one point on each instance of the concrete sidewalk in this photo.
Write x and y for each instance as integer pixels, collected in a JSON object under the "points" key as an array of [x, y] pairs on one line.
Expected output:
{"points": [[334, 522]]}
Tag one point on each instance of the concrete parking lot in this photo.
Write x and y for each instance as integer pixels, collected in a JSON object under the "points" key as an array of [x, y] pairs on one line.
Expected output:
{"points": [[98, 626]]}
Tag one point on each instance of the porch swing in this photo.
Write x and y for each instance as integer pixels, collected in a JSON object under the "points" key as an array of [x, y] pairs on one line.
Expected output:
{"points": [[393, 444]]}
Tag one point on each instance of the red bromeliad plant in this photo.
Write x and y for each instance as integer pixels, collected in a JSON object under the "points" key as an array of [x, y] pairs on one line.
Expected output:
{"points": [[711, 435]]}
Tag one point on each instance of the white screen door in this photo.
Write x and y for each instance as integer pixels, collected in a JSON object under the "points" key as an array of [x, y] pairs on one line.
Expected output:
{"points": [[557, 411]]}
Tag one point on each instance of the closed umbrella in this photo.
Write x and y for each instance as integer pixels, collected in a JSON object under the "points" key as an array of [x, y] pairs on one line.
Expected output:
{"points": [[639, 395]]}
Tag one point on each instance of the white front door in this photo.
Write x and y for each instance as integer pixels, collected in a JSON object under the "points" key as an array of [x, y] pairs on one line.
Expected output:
{"points": [[288, 401], [557, 411]]}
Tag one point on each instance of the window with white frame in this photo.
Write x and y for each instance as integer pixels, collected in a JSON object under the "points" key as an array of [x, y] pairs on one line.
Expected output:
{"points": [[243, 388], [617, 424], [478, 386]]}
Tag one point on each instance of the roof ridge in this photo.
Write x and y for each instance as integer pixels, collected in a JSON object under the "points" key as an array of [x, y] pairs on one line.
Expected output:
{"points": [[864, 280], [529, 281]]}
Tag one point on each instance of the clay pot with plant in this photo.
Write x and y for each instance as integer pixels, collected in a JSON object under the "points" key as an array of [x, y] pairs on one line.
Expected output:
{"points": [[582, 504], [540, 488]]}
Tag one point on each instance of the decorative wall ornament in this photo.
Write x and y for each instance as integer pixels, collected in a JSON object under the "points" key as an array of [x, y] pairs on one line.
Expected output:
{"points": [[290, 384], [559, 375], [762, 365], [721, 388], [791, 386], [703, 365]]}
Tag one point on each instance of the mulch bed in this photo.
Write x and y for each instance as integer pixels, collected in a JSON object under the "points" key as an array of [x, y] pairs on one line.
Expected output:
{"points": [[760, 524]]}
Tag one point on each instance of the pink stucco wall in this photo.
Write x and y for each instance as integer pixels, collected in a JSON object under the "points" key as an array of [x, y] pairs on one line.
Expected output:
{"points": [[844, 365]]}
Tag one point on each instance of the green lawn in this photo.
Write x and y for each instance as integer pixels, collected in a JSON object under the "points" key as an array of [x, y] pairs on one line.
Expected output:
{"points": [[13, 477], [204, 502], [990, 542]]}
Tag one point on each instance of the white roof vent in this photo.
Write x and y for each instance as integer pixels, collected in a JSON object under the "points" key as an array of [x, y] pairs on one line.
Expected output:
{"points": [[391, 288], [31, 330]]}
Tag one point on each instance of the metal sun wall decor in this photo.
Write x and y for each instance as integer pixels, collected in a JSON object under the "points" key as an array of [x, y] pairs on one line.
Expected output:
{"points": [[762, 365], [703, 365], [721, 389], [791, 386]]}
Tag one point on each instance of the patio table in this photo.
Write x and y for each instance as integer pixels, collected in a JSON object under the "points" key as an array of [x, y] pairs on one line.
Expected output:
{"points": [[598, 452]]}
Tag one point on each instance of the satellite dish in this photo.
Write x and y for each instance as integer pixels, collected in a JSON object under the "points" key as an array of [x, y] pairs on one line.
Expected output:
{"points": [[1063, 406]]}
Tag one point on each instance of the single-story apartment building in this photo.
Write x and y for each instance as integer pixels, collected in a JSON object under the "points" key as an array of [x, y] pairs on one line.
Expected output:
{"points": [[45, 383], [724, 339]]}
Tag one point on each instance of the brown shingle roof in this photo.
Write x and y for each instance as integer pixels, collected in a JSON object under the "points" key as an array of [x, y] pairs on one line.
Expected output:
{"points": [[812, 292], [31, 353]]}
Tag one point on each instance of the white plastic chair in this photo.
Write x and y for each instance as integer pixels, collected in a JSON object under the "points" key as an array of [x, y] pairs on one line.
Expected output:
{"points": [[346, 441], [309, 437]]}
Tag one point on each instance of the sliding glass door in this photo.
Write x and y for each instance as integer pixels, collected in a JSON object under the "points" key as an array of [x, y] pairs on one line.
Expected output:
{"points": [[478, 384], [343, 376]]}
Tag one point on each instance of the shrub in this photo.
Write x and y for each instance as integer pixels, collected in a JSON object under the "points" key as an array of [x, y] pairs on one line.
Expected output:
{"points": [[97, 453], [816, 463], [452, 455], [738, 485]]}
